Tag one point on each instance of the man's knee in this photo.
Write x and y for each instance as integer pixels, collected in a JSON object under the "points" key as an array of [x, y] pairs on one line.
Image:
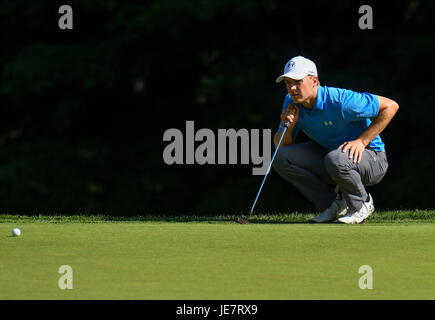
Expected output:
{"points": [[284, 161], [337, 161], [280, 161]]}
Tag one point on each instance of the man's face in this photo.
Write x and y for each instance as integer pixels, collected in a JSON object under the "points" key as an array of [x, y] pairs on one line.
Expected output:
{"points": [[301, 90]]}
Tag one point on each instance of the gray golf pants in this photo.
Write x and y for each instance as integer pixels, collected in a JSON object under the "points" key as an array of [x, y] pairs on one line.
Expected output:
{"points": [[316, 172]]}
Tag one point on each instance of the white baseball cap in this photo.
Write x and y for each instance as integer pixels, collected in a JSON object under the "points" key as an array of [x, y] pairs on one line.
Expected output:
{"points": [[298, 68]]}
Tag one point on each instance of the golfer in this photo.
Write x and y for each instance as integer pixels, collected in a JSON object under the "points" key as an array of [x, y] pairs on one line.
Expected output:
{"points": [[346, 152]]}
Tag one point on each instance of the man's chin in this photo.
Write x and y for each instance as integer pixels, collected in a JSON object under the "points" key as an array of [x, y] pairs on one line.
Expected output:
{"points": [[297, 99]]}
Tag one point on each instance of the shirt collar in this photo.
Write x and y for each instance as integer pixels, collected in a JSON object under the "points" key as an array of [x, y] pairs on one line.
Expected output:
{"points": [[318, 105]]}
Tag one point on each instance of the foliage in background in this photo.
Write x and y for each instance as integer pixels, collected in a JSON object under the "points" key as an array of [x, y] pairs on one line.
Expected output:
{"points": [[83, 111]]}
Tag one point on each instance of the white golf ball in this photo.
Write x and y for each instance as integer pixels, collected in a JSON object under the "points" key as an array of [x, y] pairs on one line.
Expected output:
{"points": [[16, 232]]}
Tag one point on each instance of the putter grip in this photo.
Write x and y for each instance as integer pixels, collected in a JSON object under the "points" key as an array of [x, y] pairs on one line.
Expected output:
{"points": [[286, 123]]}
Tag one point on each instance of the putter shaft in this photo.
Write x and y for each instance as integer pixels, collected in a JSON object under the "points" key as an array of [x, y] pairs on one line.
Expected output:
{"points": [[286, 124]]}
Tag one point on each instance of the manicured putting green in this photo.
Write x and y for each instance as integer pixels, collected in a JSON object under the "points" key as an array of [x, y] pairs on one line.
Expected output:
{"points": [[217, 260]]}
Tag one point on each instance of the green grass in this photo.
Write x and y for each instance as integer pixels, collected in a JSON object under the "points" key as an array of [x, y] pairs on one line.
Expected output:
{"points": [[278, 257], [397, 216]]}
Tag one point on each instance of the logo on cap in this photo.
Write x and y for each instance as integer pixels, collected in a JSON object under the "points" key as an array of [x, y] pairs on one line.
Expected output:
{"points": [[291, 65]]}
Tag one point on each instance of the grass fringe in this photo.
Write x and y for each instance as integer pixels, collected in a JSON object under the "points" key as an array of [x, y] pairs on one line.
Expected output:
{"points": [[397, 216]]}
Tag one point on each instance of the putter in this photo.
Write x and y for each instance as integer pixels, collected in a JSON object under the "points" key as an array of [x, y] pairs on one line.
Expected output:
{"points": [[245, 221]]}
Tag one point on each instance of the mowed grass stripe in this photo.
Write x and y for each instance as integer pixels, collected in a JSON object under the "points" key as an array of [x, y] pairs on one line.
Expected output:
{"points": [[197, 260]]}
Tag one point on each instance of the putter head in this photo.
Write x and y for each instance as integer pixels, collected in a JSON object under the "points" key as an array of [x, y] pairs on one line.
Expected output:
{"points": [[242, 221]]}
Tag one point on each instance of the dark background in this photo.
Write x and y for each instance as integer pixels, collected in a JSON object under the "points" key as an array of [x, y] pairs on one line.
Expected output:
{"points": [[83, 111]]}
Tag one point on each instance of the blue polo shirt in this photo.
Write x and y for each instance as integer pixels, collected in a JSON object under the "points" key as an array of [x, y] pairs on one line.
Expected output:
{"points": [[338, 115]]}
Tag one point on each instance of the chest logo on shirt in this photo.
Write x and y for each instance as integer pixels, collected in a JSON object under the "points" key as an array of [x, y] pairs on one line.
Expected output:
{"points": [[328, 123]]}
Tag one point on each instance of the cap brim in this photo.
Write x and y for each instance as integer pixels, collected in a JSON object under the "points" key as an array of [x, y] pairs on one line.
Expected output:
{"points": [[291, 75]]}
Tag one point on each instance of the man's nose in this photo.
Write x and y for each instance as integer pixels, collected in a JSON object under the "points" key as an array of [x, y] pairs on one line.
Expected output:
{"points": [[291, 87]]}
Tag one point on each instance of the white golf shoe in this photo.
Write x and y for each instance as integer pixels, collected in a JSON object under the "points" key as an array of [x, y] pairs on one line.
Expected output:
{"points": [[337, 209], [360, 215]]}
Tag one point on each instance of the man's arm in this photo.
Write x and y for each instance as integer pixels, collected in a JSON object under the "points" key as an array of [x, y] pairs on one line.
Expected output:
{"points": [[286, 140], [387, 110], [291, 114]]}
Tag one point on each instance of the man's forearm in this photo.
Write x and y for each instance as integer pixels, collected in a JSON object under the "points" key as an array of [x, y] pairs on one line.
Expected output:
{"points": [[286, 140], [379, 124]]}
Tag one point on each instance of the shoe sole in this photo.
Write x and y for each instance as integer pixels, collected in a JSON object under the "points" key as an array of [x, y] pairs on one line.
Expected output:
{"points": [[356, 222], [344, 222]]}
